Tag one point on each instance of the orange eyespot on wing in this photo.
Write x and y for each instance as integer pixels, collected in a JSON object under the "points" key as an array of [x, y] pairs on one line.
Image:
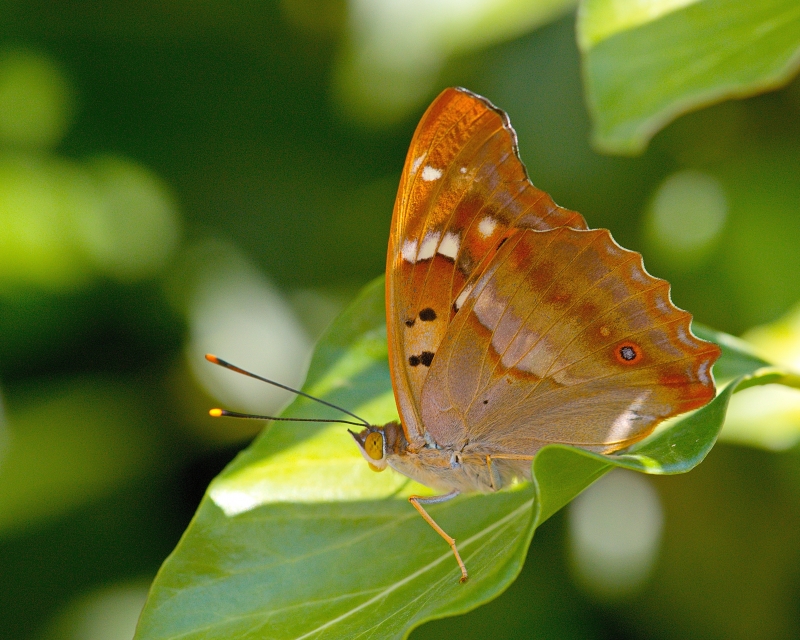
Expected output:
{"points": [[462, 189], [628, 353]]}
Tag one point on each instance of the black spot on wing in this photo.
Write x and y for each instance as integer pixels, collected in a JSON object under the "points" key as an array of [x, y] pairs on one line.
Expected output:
{"points": [[425, 358], [427, 315]]}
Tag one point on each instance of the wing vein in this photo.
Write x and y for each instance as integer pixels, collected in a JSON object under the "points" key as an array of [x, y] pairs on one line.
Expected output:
{"points": [[532, 311]]}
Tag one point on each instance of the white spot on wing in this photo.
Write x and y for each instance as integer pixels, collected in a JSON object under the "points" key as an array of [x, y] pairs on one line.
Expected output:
{"points": [[463, 295], [409, 251], [683, 336], [463, 169], [416, 163], [612, 249], [428, 247], [661, 305], [621, 429], [450, 244], [429, 173], [487, 226], [702, 372], [637, 274]]}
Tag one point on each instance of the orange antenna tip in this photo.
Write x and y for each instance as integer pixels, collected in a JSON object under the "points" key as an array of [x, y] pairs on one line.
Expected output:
{"points": [[215, 413], [233, 414]]}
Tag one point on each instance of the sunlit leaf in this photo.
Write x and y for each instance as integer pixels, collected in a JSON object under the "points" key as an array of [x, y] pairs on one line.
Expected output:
{"points": [[646, 63], [297, 538], [769, 417]]}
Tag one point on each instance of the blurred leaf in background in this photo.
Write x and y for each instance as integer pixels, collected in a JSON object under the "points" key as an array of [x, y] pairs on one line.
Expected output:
{"points": [[232, 309], [110, 613], [394, 52], [769, 417], [645, 63]]}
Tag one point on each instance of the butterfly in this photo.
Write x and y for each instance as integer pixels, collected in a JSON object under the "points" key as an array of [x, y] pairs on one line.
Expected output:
{"points": [[512, 325]]}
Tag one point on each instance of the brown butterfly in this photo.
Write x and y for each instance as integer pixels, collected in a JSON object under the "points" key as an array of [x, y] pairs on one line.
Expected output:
{"points": [[511, 325]]}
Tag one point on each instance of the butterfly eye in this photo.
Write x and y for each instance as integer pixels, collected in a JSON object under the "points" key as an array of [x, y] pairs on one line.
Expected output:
{"points": [[628, 353], [373, 445]]}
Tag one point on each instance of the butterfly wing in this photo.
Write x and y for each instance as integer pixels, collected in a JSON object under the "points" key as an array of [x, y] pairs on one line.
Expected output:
{"points": [[564, 338], [462, 190]]}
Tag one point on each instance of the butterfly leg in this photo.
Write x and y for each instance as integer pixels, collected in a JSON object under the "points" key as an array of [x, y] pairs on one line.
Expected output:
{"points": [[417, 502]]}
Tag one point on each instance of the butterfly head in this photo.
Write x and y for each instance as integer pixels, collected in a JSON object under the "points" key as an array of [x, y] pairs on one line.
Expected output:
{"points": [[372, 444], [377, 444]]}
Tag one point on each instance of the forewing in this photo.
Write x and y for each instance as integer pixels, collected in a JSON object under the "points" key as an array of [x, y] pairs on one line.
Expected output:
{"points": [[462, 190], [565, 338]]}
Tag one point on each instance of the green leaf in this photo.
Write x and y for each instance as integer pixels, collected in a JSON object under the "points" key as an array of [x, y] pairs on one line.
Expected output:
{"points": [[769, 417], [738, 357], [646, 63], [297, 538]]}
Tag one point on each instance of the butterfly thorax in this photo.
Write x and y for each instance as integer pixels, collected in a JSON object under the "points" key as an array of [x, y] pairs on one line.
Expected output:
{"points": [[466, 470]]}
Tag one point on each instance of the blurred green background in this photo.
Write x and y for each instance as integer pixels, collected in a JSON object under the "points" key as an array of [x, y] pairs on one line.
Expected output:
{"points": [[177, 178]]}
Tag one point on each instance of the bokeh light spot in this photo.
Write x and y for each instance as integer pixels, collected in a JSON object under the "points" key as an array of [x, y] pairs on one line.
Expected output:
{"points": [[106, 614], [36, 101], [686, 217], [615, 531], [138, 229], [40, 201], [237, 315]]}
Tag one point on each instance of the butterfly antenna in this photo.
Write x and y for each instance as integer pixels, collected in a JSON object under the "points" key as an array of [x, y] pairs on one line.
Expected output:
{"points": [[218, 413], [223, 412]]}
